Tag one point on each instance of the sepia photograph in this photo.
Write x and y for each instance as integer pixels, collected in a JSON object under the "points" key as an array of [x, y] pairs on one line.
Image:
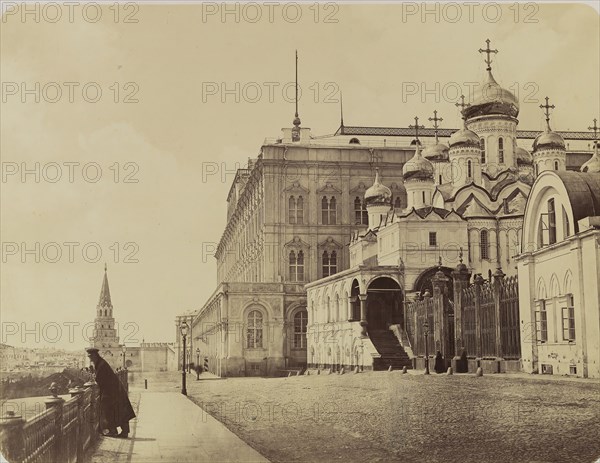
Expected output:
{"points": [[311, 231]]}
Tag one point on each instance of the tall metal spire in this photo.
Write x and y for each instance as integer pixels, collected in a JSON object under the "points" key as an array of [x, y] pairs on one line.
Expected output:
{"points": [[296, 129], [341, 110]]}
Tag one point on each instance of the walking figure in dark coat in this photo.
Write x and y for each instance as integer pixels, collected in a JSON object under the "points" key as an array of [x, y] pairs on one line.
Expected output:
{"points": [[439, 365], [115, 408]]}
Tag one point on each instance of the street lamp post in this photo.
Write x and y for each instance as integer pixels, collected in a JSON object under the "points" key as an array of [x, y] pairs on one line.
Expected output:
{"points": [[197, 363], [184, 329], [124, 350], [426, 333]]}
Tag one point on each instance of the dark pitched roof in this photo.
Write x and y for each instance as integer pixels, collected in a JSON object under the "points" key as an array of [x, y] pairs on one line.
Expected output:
{"points": [[584, 193]]}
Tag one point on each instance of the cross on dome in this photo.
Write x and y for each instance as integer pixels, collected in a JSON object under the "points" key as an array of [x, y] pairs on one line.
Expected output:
{"points": [[416, 127], [435, 120], [594, 129], [547, 109], [488, 51]]}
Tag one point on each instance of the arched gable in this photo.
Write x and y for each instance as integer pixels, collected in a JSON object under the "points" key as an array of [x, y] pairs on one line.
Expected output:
{"points": [[264, 307], [554, 286], [541, 292], [568, 281]]}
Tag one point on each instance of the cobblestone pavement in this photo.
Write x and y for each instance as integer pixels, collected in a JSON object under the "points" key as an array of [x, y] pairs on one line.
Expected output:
{"points": [[388, 416]]}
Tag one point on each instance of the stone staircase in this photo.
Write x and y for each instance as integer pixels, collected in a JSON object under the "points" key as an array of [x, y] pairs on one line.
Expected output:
{"points": [[391, 351]]}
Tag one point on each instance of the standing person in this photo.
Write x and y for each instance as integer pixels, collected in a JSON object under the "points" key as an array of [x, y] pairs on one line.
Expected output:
{"points": [[116, 410]]}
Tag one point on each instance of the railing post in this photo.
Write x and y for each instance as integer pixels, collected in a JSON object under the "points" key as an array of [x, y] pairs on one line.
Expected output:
{"points": [[78, 392], [94, 410], [478, 280], [460, 276], [440, 316], [57, 403], [12, 443], [498, 283]]}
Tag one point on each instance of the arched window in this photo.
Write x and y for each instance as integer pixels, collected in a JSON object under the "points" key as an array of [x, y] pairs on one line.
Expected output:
{"points": [[482, 148], [300, 323], [541, 321], [254, 332], [484, 244], [105, 312], [354, 141], [551, 221], [501, 150], [555, 165], [423, 193], [397, 203], [361, 217], [440, 179], [296, 266], [296, 210], [329, 263], [328, 210], [469, 169]]}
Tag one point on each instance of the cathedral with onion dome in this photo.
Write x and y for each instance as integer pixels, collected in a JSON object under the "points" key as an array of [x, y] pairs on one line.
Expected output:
{"points": [[315, 269]]}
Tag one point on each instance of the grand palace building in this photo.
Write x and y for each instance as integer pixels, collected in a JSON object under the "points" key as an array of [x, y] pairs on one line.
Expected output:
{"points": [[329, 237]]}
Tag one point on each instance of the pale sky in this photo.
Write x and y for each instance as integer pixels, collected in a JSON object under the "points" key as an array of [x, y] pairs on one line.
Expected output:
{"points": [[174, 131]]}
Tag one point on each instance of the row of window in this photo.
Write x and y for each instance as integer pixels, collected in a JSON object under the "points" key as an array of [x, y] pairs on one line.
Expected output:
{"points": [[329, 210], [567, 318], [329, 262], [254, 330]]}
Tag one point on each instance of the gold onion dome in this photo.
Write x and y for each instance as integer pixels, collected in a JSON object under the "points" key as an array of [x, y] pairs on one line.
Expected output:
{"points": [[592, 166], [548, 139], [437, 152], [490, 98], [523, 156], [418, 167], [464, 137], [378, 193]]}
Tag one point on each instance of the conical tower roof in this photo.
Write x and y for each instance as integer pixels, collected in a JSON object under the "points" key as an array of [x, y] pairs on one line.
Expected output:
{"points": [[104, 300]]}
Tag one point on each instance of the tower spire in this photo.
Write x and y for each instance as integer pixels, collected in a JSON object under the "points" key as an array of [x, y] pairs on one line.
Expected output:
{"points": [[488, 51], [435, 120], [105, 300], [547, 109], [296, 128], [341, 110]]}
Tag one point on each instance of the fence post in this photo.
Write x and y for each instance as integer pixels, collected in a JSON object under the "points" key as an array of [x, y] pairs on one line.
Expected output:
{"points": [[94, 410], [440, 316], [12, 443], [478, 280], [56, 403], [497, 288], [461, 277], [78, 392]]}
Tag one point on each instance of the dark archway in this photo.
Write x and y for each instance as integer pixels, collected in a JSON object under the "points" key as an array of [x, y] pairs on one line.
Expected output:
{"points": [[354, 301], [423, 282], [384, 304]]}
